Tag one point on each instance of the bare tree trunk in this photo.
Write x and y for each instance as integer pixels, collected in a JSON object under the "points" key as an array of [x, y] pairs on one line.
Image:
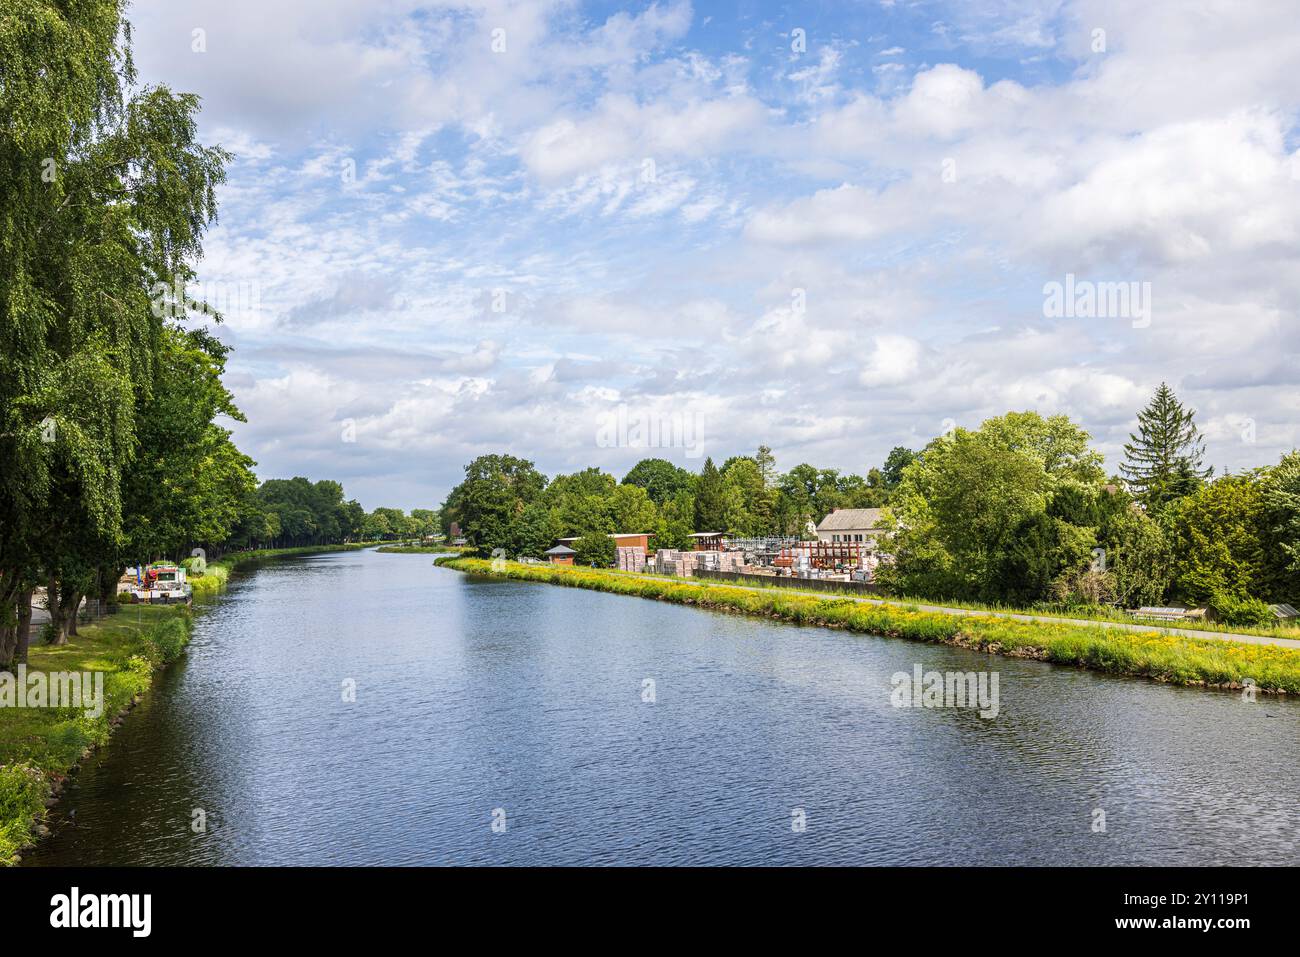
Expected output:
{"points": [[8, 613], [74, 606], [58, 626], [8, 642], [24, 626]]}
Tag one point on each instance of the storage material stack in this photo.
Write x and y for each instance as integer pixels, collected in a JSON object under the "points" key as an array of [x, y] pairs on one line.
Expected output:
{"points": [[629, 558], [663, 558]]}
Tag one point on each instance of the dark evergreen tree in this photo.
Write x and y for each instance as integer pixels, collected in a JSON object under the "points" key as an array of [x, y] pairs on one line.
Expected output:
{"points": [[1163, 461], [710, 500]]}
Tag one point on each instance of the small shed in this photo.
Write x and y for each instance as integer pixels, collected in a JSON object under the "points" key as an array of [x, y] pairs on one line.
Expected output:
{"points": [[560, 555], [708, 541]]}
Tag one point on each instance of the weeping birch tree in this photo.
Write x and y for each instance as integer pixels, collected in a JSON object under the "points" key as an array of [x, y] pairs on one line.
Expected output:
{"points": [[106, 196]]}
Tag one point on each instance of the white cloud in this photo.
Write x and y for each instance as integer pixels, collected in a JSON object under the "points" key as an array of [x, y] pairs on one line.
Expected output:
{"points": [[919, 188], [894, 359]]}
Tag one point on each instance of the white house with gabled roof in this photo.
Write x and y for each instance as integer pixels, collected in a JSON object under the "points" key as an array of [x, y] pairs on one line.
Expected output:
{"points": [[853, 526]]}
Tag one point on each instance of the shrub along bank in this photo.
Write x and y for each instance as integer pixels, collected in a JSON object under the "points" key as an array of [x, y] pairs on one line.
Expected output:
{"points": [[1161, 657]]}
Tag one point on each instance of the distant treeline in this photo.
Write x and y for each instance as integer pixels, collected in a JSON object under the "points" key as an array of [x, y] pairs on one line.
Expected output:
{"points": [[504, 502], [285, 513]]}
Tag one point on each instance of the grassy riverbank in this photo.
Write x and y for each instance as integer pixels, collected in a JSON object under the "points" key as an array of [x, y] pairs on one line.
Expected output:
{"points": [[1161, 657], [1085, 613], [40, 746]]}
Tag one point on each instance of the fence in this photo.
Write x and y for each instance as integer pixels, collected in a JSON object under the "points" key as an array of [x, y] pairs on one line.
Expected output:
{"points": [[807, 584]]}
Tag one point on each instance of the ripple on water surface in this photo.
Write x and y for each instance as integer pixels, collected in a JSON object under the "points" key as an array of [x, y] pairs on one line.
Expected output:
{"points": [[475, 695]]}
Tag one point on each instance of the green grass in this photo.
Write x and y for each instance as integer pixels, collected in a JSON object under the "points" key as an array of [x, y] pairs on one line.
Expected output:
{"points": [[1096, 613], [40, 746], [1175, 659]]}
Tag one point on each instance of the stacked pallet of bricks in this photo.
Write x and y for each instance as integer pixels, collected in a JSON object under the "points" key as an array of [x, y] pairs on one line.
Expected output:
{"points": [[629, 558], [671, 562], [718, 561]]}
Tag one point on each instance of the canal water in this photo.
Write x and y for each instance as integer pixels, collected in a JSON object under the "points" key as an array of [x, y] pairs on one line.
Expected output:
{"points": [[499, 722]]}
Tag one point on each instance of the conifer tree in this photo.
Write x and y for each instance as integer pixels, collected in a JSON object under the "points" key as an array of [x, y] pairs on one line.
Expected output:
{"points": [[710, 500], [1163, 461]]}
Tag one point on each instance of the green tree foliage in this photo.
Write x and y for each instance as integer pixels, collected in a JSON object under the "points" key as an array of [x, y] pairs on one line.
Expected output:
{"points": [[1280, 491], [493, 495], [710, 499], [749, 503], [1220, 533], [594, 548], [676, 522], [581, 502], [313, 513], [106, 197], [807, 494], [188, 482], [1163, 459], [1042, 560], [423, 521], [660, 478], [1001, 514], [899, 459], [1138, 557], [1060, 445], [534, 533], [631, 509], [766, 463], [388, 524]]}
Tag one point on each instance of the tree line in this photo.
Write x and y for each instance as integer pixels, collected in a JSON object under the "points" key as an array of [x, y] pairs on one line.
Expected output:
{"points": [[289, 513], [1020, 511], [504, 502], [108, 444]]}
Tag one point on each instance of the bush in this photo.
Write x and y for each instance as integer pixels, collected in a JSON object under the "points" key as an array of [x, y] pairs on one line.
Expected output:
{"points": [[23, 790], [594, 547], [168, 640], [1242, 611]]}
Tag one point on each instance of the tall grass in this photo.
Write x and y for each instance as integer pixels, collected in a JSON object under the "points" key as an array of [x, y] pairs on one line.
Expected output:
{"points": [[39, 747], [1176, 659], [1097, 613]]}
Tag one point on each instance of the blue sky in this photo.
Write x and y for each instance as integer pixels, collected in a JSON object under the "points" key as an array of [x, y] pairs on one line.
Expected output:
{"points": [[680, 210]]}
